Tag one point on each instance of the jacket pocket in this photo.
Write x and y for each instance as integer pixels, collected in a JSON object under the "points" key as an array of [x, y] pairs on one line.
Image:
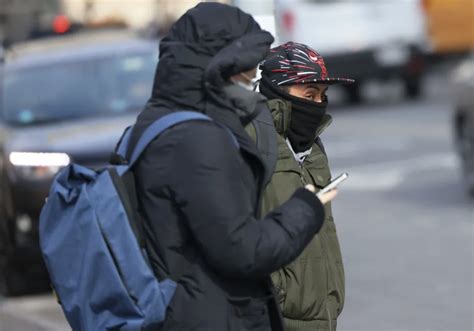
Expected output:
{"points": [[251, 312], [306, 288], [320, 176]]}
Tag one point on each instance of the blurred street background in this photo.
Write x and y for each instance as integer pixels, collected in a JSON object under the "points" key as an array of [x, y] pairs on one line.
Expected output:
{"points": [[75, 73]]}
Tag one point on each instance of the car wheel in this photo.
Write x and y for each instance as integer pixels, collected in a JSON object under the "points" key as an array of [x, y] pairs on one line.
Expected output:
{"points": [[12, 281], [21, 272], [20, 278], [466, 142], [354, 94], [412, 87]]}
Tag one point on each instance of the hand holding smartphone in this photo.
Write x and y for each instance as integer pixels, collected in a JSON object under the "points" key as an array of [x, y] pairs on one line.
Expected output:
{"points": [[333, 184]]}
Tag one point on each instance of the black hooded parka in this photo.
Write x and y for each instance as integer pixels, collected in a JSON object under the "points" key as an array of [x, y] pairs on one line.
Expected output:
{"points": [[199, 192]]}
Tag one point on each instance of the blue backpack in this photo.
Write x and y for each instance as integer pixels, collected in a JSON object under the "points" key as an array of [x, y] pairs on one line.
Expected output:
{"points": [[88, 236]]}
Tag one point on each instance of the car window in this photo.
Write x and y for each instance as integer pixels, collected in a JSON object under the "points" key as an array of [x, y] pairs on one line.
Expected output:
{"points": [[88, 88]]}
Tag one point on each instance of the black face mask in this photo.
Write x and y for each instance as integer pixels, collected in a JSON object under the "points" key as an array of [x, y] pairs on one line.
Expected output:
{"points": [[306, 116]]}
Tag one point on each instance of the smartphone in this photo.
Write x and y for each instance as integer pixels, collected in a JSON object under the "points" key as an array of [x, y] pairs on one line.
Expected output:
{"points": [[333, 184]]}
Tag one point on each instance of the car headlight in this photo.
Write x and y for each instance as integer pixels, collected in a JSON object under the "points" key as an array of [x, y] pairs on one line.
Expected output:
{"points": [[38, 165]]}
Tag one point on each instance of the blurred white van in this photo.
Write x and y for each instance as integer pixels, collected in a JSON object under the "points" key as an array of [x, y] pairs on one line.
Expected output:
{"points": [[360, 39]]}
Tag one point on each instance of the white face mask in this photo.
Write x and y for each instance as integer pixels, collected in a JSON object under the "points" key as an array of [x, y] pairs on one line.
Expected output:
{"points": [[248, 86]]}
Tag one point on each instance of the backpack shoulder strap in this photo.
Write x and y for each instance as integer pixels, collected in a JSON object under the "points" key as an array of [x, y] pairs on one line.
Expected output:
{"points": [[128, 180], [154, 130], [122, 145], [266, 139]]}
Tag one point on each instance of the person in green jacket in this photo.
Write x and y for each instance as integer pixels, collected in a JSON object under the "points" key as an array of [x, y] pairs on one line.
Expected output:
{"points": [[295, 80]]}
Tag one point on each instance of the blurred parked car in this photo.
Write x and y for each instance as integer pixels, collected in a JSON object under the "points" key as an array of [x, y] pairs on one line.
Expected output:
{"points": [[65, 99], [463, 79], [360, 39]]}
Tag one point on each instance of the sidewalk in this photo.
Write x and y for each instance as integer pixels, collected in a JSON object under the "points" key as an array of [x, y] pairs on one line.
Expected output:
{"points": [[39, 313]]}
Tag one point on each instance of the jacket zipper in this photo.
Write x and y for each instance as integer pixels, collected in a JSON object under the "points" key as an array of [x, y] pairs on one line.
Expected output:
{"points": [[302, 180], [330, 319], [301, 175]]}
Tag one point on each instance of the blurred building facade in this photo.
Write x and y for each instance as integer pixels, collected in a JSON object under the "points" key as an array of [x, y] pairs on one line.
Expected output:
{"points": [[449, 23], [133, 13], [19, 19], [25, 19]]}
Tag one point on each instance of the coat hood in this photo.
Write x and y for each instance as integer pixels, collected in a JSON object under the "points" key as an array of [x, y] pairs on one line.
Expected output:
{"points": [[204, 48], [207, 45]]}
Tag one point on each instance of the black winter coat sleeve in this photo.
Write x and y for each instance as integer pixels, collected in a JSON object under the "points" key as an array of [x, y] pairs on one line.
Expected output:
{"points": [[205, 177]]}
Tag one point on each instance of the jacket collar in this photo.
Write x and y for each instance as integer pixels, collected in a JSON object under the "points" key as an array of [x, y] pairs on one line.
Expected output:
{"points": [[281, 113]]}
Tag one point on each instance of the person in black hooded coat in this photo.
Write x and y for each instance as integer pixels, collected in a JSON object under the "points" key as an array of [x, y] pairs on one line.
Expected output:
{"points": [[198, 192]]}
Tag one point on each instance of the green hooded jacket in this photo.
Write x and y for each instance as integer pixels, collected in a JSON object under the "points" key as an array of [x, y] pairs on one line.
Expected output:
{"points": [[310, 289]]}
